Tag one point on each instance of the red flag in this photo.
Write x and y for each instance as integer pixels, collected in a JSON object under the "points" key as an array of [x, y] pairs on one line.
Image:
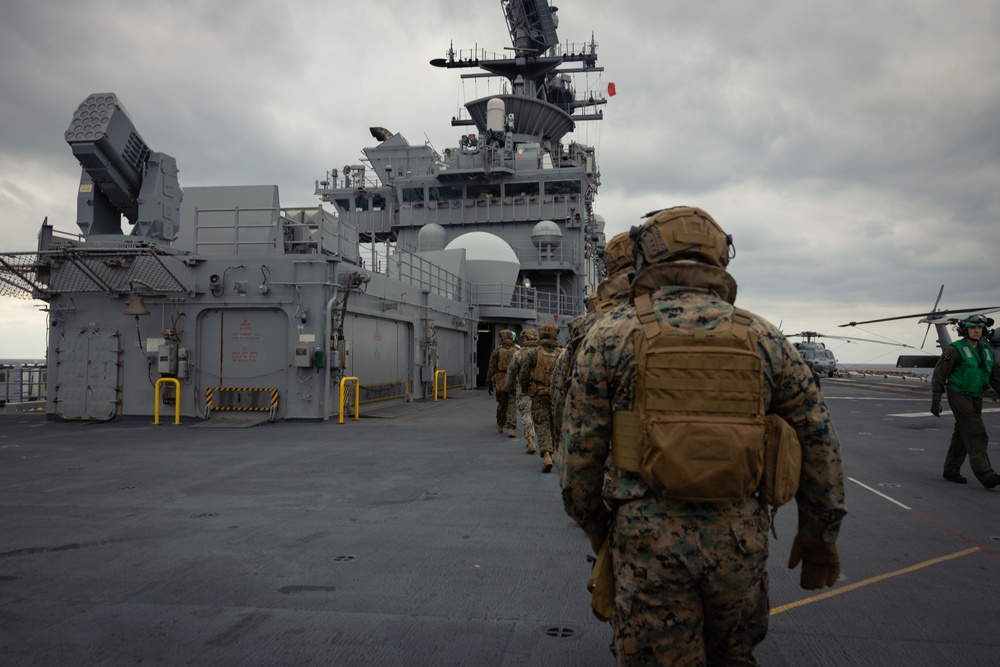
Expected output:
{"points": [[608, 89]]}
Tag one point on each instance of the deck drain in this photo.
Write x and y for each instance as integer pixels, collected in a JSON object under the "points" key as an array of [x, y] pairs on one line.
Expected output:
{"points": [[344, 559], [560, 632]]}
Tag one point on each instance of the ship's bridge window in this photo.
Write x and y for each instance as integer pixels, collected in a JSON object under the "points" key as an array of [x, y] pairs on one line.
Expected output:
{"points": [[378, 203], [521, 189], [413, 194], [343, 204], [444, 192], [483, 191], [361, 203], [563, 187]]}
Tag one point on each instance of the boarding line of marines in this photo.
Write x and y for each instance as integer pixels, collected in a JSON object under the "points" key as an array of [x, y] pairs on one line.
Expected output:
{"points": [[682, 423]]}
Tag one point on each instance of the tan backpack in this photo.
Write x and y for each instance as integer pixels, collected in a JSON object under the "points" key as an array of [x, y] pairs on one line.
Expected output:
{"points": [[541, 374], [697, 431]]}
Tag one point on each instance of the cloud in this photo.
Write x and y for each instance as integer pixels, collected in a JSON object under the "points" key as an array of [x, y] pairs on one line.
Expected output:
{"points": [[852, 148]]}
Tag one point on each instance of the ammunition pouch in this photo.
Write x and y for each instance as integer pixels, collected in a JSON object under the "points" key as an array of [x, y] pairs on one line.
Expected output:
{"points": [[602, 584]]}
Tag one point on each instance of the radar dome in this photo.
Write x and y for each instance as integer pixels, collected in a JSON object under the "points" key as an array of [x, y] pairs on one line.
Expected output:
{"points": [[431, 237], [546, 233], [489, 261]]}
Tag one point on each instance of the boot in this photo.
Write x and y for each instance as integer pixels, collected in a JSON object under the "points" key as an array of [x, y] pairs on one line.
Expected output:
{"points": [[499, 428], [546, 462], [991, 481], [531, 446], [511, 432], [955, 477]]}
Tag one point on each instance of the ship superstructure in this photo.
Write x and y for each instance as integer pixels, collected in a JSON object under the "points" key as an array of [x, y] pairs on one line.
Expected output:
{"points": [[223, 302]]}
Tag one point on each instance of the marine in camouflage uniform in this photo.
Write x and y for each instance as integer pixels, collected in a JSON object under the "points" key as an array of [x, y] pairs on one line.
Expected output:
{"points": [[965, 368], [613, 291], [529, 338], [541, 403], [506, 415], [691, 578]]}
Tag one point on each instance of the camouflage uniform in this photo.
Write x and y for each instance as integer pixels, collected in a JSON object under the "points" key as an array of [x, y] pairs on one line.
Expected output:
{"points": [[541, 403], [506, 415], [691, 578], [530, 339], [613, 291]]}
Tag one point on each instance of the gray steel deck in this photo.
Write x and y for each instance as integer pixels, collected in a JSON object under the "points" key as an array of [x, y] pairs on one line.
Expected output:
{"points": [[425, 538]]}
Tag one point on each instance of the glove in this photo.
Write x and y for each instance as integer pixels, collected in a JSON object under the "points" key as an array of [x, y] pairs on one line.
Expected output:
{"points": [[820, 562], [489, 388], [936, 406]]}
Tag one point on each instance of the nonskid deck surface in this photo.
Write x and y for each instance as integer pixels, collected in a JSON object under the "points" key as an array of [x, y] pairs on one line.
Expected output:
{"points": [[426, 538]]}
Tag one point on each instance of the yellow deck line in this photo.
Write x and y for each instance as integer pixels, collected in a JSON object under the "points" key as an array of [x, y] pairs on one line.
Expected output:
{"points": [[872, 580]]}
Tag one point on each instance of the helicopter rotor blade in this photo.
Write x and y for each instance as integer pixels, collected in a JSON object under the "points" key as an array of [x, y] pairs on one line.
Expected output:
{"points": [[938, 299], [926, 331], [989, 309]]}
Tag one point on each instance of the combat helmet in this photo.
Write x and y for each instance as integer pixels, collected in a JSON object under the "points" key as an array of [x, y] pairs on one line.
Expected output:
{"points": [[618, 253], [548, 332], [681, 232], [974, 321], [529, 336], [506, 336]]}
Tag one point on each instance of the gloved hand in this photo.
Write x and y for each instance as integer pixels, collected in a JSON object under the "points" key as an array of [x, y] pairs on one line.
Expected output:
{"points": [[820, 562], [936, 406], [489, 388]]}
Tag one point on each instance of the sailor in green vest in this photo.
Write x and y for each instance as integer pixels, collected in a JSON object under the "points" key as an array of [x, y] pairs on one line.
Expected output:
{"points": [[965, 369], [690, 576]]}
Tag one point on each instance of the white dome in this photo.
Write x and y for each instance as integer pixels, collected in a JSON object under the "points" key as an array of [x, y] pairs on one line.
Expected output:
{"points": [[489, 261], [546, 233], [483, 245], [431, 237]]}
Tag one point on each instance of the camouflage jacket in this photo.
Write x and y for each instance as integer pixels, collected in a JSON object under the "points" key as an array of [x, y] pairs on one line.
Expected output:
{"points": [[602, 382], [513, 368], [495, 367], [528, 361], [558, 385]]}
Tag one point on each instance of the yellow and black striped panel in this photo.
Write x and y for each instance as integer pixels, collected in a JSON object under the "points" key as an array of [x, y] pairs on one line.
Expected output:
{"points": [[242, 399]]}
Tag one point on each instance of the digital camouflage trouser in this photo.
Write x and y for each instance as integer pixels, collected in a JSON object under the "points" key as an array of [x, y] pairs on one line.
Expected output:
{"points": [[524, 412], [541, 415], [691, 585], [506, 410]]}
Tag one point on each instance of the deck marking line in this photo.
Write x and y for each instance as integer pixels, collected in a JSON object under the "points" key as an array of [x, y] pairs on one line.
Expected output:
{"points": [[879, 493], [872, 580], [943, 413]]}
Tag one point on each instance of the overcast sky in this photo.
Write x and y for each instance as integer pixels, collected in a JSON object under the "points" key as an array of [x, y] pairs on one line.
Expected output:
{"points": [[852, 149]]}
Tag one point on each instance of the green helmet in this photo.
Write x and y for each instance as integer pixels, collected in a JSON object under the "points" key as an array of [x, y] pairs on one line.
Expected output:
{"points": [[975, 321], [548, 332], [682, 232]]}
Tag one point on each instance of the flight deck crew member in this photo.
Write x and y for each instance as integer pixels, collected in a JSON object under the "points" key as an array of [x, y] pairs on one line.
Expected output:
{"points": [[496, 380], [965, 368], [529, 338], [536, 381], [691, 582]]}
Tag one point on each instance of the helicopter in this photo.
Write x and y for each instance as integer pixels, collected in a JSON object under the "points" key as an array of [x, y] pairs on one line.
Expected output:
{"points": [[941, 320], [820, 360]]}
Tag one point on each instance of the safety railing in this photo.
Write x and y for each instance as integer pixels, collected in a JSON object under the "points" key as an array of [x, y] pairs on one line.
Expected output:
{"points": [[177, 400]]}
